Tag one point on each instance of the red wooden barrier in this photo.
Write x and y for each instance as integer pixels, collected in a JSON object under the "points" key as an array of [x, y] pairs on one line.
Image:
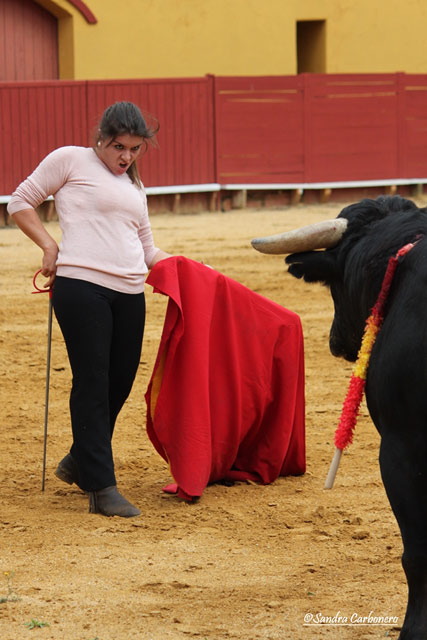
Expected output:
{"points": [[35, 118], [261, 130], [38, 117], [413, 125], [183, 107], [351, 127]]}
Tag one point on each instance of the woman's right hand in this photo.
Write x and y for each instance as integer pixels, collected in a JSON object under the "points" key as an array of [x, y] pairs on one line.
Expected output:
{"points": [[50, 255], [29, 222]]}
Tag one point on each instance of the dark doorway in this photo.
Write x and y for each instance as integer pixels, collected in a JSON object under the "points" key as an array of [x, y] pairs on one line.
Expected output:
{"points": [[311, 46]]}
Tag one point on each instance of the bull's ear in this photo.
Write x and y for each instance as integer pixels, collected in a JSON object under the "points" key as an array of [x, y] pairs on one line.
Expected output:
{"points": [[313, 266]]}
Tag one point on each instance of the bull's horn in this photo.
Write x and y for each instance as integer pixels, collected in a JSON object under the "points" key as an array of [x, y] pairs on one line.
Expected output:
{"points": [[321, 235]]}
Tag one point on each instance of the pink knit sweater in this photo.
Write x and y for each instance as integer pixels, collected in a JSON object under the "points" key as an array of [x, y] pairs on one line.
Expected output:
{"points": [[106, 233]]}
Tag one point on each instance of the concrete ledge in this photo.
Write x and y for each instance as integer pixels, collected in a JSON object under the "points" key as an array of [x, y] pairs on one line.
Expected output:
{"points": [[215, 196], [349, 184], [273, 186], [183, 188]]}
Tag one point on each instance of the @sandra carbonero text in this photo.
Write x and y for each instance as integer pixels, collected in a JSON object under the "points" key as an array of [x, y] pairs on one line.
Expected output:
{"points": [[351, 619]]}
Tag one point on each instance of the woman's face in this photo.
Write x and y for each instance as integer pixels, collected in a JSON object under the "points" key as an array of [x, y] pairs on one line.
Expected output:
{"points": [[119, 153]]}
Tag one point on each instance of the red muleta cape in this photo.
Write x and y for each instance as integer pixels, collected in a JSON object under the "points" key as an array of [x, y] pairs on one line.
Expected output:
{"points": [[226, 396]]}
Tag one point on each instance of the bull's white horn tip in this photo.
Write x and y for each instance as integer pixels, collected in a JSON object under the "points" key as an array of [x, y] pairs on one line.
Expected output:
{"points": [[260, 245]]}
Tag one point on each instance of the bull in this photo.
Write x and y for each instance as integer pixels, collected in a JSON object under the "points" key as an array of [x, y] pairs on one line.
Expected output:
{"points": [[357, 246]]}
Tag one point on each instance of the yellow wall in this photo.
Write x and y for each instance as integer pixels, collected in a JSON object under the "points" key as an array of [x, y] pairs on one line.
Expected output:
{"points": [[185, 38]]}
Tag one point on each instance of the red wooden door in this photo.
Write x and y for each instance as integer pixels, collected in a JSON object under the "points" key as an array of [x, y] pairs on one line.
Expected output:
{"points": [[28, 42]]}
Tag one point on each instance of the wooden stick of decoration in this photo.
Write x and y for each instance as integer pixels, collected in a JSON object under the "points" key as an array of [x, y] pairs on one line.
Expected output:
{"points": [[353, 399]]}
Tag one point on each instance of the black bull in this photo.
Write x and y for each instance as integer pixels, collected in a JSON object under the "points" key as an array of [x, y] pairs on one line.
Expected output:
{"points": [[396, 384]]}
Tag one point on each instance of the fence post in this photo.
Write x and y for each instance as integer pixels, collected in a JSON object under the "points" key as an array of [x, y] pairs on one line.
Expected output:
{"points": [[307, 128], [213, 94], [402, 147]]}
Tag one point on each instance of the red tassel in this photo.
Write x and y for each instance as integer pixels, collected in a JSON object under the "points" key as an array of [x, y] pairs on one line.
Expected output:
{"points": [[351, 406], [350, 411]]}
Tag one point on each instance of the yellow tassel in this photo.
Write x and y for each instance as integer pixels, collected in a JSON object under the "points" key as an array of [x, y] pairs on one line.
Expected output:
{"points": [[371, 331]]}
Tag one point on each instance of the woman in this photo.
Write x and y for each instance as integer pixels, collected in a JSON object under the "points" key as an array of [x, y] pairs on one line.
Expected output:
{"points": [[97, 274]]}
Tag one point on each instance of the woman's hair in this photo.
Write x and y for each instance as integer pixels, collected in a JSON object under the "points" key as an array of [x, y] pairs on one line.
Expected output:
{"points": [[125, 117]]}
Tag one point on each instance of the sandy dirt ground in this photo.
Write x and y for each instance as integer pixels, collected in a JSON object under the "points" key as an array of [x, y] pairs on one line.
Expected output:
{"points": [[246, 562]]}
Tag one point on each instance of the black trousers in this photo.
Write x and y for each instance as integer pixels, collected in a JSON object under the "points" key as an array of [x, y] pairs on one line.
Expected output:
{"points": [[103, 331]]}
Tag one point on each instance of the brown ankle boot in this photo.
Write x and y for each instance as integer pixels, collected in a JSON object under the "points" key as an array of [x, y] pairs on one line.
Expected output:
{"points": [[110, 502], [67, 470]]}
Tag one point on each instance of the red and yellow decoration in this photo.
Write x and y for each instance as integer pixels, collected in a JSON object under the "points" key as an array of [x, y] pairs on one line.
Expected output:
{"points": [[353, 399]]}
